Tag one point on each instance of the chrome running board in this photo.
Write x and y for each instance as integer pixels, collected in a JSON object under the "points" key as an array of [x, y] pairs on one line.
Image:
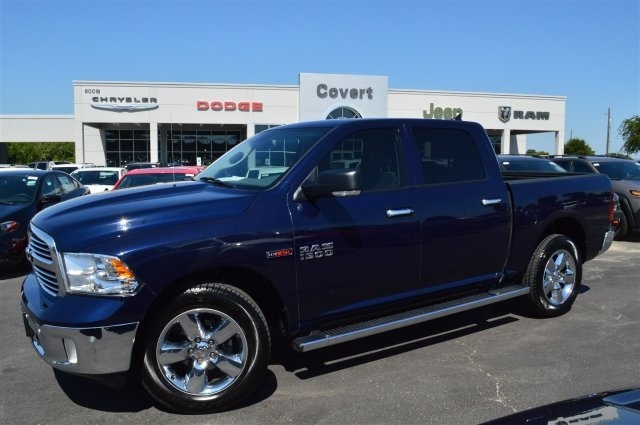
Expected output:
{"points": [[383, 324]]}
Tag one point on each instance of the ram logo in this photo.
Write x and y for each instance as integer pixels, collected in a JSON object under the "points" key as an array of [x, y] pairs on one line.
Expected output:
{"points": [[504, 113], [315, 251]]}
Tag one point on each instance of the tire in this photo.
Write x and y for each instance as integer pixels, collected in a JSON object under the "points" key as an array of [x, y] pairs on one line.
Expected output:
{"points": [[623, 228], [207, 351], [554, 274]]}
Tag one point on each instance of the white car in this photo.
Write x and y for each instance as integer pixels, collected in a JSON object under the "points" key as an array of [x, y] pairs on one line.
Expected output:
{"points": [[70, 168], [99, 179]]}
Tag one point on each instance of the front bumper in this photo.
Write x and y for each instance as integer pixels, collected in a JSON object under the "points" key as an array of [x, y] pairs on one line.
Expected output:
{"points": [[91, 351]]}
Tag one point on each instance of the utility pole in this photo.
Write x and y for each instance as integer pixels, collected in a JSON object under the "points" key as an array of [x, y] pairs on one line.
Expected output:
{"points": [[608, 129]]}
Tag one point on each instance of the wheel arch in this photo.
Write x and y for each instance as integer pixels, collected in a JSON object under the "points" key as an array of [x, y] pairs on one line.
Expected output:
{"points": [[570, 228], [259, 288], [625, 206]]}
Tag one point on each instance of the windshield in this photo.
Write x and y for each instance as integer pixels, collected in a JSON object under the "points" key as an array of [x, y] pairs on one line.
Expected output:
{"points": [[259, 162], [534, 164], [135, 180], [619, 170], [17, 189], [107, 178]]}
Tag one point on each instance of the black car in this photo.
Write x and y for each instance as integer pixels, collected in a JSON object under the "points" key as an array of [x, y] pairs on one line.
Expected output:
{"points": [[625, 180], [612, 407], [24, 192], [530, 164]]}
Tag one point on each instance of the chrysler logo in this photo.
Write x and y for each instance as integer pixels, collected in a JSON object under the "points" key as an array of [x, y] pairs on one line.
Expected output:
{"points": [[504, 113], [119, 107]]}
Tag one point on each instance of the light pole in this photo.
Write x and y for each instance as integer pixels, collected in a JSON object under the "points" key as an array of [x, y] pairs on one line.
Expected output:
{"points": [[608, 129]]}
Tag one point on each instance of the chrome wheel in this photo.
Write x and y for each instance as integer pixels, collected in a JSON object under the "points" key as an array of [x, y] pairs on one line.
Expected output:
{"points": [[559, 277], [202, 351], [554, 274]]}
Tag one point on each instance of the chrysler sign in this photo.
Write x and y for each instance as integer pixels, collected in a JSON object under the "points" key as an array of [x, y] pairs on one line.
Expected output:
{"points": [[124, 103]]}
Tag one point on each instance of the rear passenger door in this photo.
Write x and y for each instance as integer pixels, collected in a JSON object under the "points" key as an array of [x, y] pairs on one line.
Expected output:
{"points": [[464, 208]]}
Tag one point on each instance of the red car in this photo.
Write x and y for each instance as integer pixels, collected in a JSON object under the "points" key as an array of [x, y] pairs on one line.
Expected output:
{"points": [[147, 176]]}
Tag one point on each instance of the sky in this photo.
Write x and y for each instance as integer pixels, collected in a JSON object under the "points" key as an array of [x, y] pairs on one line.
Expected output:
{"points": [[587, 51]]}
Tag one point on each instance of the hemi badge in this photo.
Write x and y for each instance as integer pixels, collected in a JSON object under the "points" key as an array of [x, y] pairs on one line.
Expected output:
{"points": [[287, 252]]}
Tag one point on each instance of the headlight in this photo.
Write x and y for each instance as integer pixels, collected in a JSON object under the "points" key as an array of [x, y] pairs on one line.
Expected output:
{"points": [[98, 275]]}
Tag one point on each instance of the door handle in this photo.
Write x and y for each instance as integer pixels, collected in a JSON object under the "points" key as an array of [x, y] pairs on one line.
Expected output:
{"points": [[492, 201], [399, 213]]}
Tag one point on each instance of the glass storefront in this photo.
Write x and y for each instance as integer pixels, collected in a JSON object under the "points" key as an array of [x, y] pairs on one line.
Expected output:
{"points": [[125, 146], [496, 140], [190, 147], [186, 146]]}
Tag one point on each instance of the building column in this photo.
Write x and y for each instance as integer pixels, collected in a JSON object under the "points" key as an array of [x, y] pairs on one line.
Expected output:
{"points": [[153, 142], [162, 141], [559, 142], [505, 141]]}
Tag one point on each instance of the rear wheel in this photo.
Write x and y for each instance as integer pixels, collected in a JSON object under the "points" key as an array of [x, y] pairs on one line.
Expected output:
{"points": [[207, 351], [554, 275]]}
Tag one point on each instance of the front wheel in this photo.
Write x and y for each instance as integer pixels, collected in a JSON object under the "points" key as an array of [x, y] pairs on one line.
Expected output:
{"points": [[206, 351], [554, 275], [623, 228]]}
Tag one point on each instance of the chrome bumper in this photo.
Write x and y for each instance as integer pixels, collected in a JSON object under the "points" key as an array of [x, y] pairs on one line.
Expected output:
{"points": [[608, 240], [89, 351]]}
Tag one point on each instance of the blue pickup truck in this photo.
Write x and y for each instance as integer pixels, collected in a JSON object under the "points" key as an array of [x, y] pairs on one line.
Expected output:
{"points": [[309, 234]]}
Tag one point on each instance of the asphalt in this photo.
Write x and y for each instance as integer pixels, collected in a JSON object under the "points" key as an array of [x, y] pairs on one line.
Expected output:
{"points": [[464, 369]]}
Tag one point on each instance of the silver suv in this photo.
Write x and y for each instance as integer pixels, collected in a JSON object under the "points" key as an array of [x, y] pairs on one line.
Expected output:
{"points": [[625, 180]]}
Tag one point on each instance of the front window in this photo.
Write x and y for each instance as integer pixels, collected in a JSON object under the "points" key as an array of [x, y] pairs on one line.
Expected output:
{"points": [[260, 161]]}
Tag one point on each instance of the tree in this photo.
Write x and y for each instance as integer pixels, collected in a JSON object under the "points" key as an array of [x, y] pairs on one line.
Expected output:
{"points": [[630, 132], [578, 147], [533, 152], [26, 152]]}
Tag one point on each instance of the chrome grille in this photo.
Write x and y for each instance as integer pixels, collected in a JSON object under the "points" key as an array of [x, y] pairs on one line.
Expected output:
{"points": [[41, 251], [39, 247]]}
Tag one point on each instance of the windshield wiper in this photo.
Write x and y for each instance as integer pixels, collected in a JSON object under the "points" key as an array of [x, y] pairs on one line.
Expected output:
{"points": [[216, 182]]}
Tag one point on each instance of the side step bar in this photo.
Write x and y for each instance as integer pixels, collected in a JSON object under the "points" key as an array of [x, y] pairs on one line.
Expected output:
{"points": [[383, 324]]}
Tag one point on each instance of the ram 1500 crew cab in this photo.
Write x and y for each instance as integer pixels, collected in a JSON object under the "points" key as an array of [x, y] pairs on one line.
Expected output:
{"points": [[350, 228]]}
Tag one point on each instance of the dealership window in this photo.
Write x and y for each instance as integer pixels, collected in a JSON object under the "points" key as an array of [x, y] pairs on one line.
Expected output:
{"points": [[496, 140], [342, 113], [125, 146], [262, 127], [186, 146]]}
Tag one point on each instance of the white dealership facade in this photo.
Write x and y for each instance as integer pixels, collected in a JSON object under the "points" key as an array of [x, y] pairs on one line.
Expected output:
{"points": [[119, 122]]}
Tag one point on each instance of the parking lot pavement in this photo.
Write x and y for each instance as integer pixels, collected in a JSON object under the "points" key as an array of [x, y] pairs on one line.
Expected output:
{"points": [[464, 369]]}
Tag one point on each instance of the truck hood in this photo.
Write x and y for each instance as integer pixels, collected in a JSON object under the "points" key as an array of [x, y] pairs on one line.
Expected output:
{"points": [[82, 222]]}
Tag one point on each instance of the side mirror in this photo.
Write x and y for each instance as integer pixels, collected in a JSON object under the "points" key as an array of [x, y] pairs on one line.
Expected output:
{"points": [[47, 200], [333, 182]]}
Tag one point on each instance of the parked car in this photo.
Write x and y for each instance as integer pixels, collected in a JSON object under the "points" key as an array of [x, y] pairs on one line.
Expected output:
{"points": [[24, 192], [608, 407], [46, 165], [70, 168], [99, 179], [190, 285], [136, 165], [529, 164], [625, 180], [147, 176]]}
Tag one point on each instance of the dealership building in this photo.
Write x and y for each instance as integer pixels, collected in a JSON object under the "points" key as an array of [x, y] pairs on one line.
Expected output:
{"points": [[115, 123]]}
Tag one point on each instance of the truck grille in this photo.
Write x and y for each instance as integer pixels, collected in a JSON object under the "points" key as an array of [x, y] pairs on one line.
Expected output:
{"points": [[42, 253]]}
